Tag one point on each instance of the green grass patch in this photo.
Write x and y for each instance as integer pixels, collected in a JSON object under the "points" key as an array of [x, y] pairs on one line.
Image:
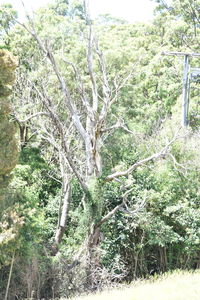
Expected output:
{"points": [[179, 285]]}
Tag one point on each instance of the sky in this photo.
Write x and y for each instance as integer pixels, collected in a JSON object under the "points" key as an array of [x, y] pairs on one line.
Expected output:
{"points": [[131, 10]]}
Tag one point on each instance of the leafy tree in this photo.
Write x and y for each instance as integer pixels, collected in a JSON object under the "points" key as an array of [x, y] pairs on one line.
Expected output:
{"points": [[10, 220], [7, 16], [92, 112], [8, 155]]}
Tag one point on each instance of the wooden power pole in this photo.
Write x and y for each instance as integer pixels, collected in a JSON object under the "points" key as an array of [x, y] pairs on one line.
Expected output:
{"points": [[185, 96]]}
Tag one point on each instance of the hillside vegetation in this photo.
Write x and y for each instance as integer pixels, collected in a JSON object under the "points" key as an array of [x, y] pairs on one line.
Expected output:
{"points": [[99, 179]]}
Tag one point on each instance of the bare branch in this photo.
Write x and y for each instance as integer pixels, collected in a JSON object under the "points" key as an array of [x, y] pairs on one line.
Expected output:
{"points": [[30, 117], [155, 156], [67, 96], [90, 56], [118, 207], [177, 164], [134, 212], [81, 89], [68, 100], [106, 88], [119, 85], [115, 126], [60, 129], [109, 215], [91, 70]]}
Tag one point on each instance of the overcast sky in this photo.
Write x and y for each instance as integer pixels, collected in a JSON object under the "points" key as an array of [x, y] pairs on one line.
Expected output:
{"points": [[131, 10]]}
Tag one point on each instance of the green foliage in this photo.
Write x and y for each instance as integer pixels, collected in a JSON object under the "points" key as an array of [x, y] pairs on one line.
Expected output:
{"points": [[158, 227], [168, 223], [32, 157], [9, 149], [7, 16]]}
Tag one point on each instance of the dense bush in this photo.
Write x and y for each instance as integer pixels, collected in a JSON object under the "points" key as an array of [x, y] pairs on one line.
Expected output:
{"points": [[157, 227]]}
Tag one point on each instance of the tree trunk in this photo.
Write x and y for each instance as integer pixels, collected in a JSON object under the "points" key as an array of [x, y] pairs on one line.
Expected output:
{"points": [[93, 257], [93, 147], [64, 214], [23, 135], [9, 277]]}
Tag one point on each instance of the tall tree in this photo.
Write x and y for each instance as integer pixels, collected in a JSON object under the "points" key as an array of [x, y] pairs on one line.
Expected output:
{"points": [[84, 111], [89, 115], [9, 152]]}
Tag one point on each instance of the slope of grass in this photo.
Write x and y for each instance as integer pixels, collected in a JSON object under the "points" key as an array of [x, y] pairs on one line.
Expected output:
{"points": [[176, 286]]}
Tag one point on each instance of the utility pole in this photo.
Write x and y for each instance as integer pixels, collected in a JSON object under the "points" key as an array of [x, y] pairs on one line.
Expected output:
{"points": [[185, 96], [185, 101]]}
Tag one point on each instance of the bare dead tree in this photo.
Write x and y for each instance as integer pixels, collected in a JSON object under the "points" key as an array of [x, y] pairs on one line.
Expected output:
{"points": [[88, 130]]}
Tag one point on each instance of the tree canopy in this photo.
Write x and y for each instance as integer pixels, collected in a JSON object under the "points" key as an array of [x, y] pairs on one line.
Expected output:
{"points": [[106, 188]]}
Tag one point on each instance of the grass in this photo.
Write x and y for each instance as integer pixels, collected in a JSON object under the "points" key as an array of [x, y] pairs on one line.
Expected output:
{"points": [[178, 285]]}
